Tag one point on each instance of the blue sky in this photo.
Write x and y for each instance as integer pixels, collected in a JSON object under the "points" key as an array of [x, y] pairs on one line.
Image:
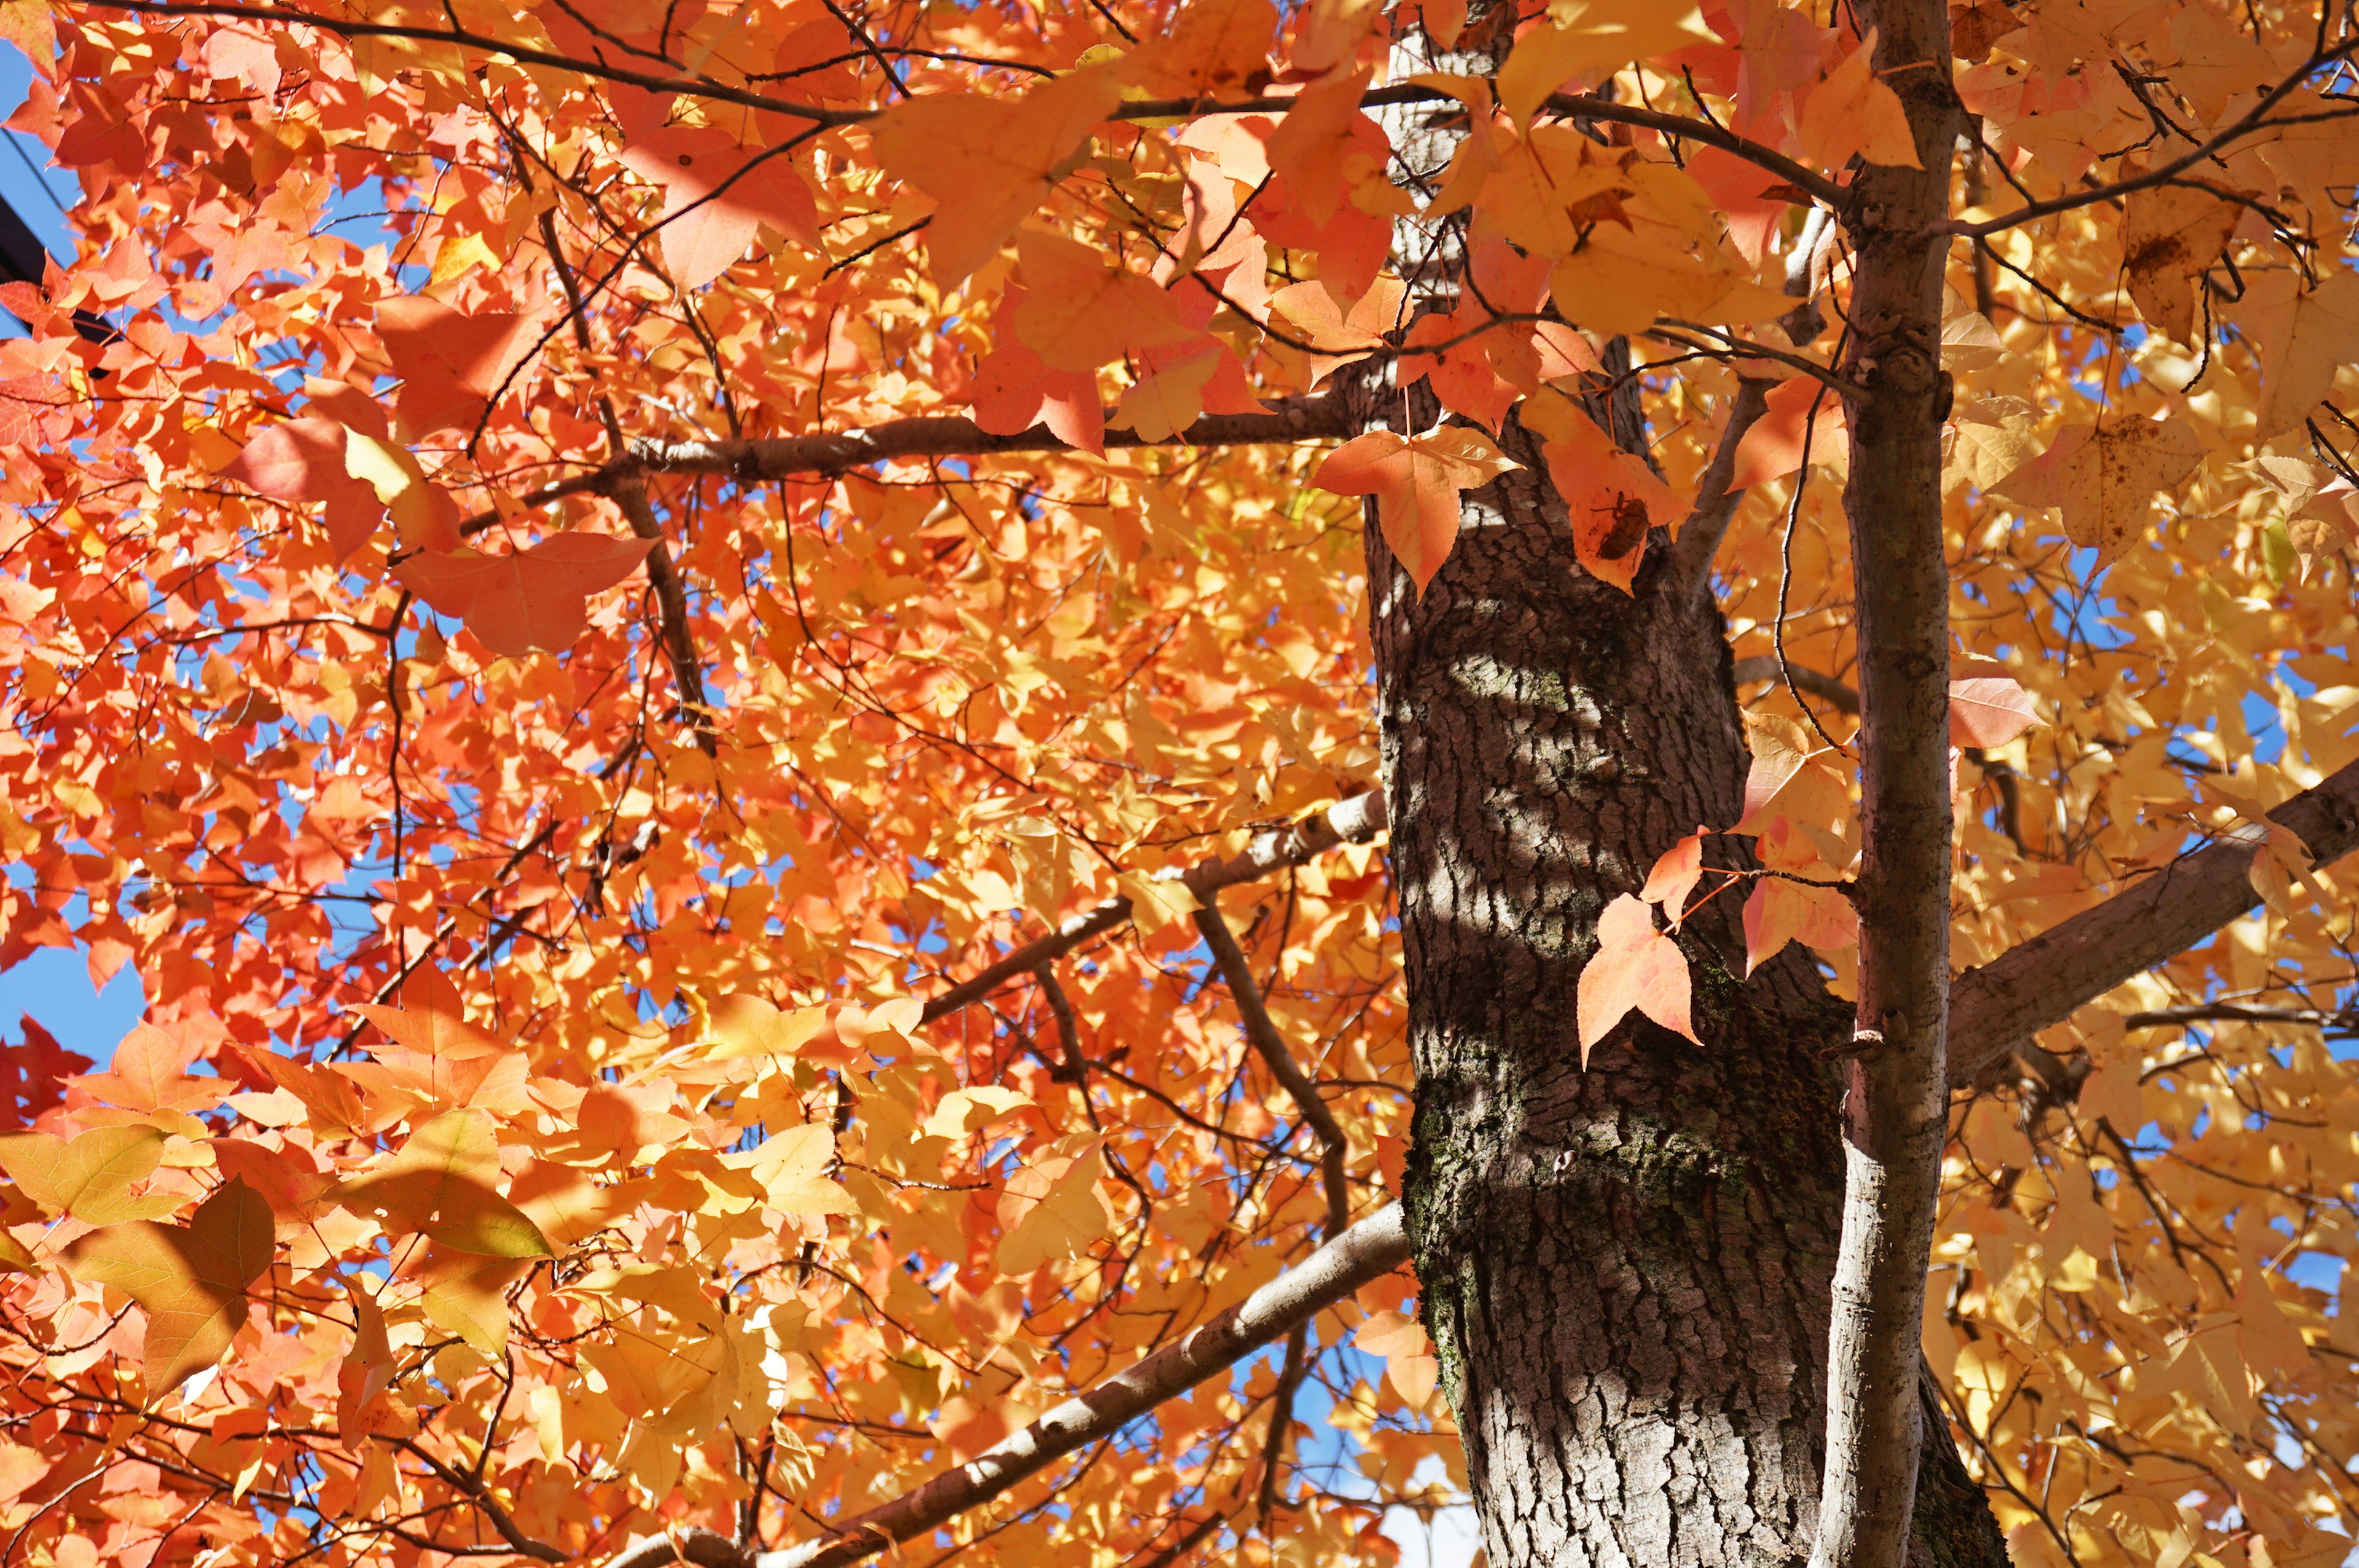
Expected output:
{"points": [[53, 984]]}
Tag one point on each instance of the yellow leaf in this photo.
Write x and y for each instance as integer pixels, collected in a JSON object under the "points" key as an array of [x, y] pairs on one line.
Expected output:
{"points": [[1852, 113], [1063, 1223], [457, 257], [2169, 235], [2302, 340], [2105, 476], [442, 1182], [91, 1177], [747, 1025], [1589, 39]]}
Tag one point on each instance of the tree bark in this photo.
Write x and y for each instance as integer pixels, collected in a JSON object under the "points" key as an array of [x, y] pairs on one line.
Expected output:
{"points": [[1897, 1100], [1626, 1272]]}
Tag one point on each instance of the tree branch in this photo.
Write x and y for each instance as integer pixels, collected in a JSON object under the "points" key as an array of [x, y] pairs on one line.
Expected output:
{"points": [[1352, 821], [1293, 420], [2255, 119], [480, 1496], [1322, 416], [1835, 693], [704, 1548], [1716, 504], [2044, 980], [671, 602], [1896, 1106], [1368, 1251], [1262, 1031]]}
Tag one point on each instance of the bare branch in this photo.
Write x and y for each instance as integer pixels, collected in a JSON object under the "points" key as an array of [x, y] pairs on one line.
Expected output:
{"points": [[1293, 420], [1352, 821], [672, 600], [2044, 980], [1262, 1031], [1368, 1251]]}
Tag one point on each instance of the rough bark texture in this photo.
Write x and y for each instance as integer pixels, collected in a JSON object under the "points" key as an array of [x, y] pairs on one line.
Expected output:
{"points": [[1626, 1271]]}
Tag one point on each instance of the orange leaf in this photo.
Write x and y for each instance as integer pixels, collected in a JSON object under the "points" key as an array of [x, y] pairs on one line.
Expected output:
{"points": [[1989, 710], [533, 598], [1613, 497], [1416, 482], [1635, 966], [1460, 373], [1675, 875], [1082, 309], [303, 460], [717, 195], [1853, 112], [1780, 911], [1214, 49], [449, 363], [1065, 1215], [990, 162], [1323, 146], [1772, 448]]}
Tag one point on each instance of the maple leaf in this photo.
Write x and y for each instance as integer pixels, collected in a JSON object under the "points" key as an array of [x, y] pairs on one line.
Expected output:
{"points": [[1416, 480], [1854, 113], [1587, 37], [191, 1280], [535, 598], [1772, 448], [2302, 340], [90, 1176], [717, 196], [1675, 874], [1325, 144], [1409, 1354], [989, 162], [1337, 330], [1780, 911], [1213, 48], [2170, 235], [2104, 477], [1457, 365], [1083, 308], [1613, 496], [1989, 710], [302, 460], [441, 1182], [1056, 1213], [1635, 967], [451, 361]]}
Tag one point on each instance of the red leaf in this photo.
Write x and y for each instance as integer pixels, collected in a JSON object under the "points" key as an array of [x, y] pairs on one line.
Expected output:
{"points": [[717, 195], [534, 598], [449, 363]]}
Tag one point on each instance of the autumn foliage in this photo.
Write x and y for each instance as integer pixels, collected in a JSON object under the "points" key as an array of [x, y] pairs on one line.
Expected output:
{"points": [[569, 568]]}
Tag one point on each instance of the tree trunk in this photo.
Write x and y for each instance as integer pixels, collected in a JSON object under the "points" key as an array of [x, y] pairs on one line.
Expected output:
{"points": [[1626, 1270]]}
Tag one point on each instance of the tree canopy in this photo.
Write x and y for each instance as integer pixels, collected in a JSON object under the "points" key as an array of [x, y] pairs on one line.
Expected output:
{"points": [[713, 662]]}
